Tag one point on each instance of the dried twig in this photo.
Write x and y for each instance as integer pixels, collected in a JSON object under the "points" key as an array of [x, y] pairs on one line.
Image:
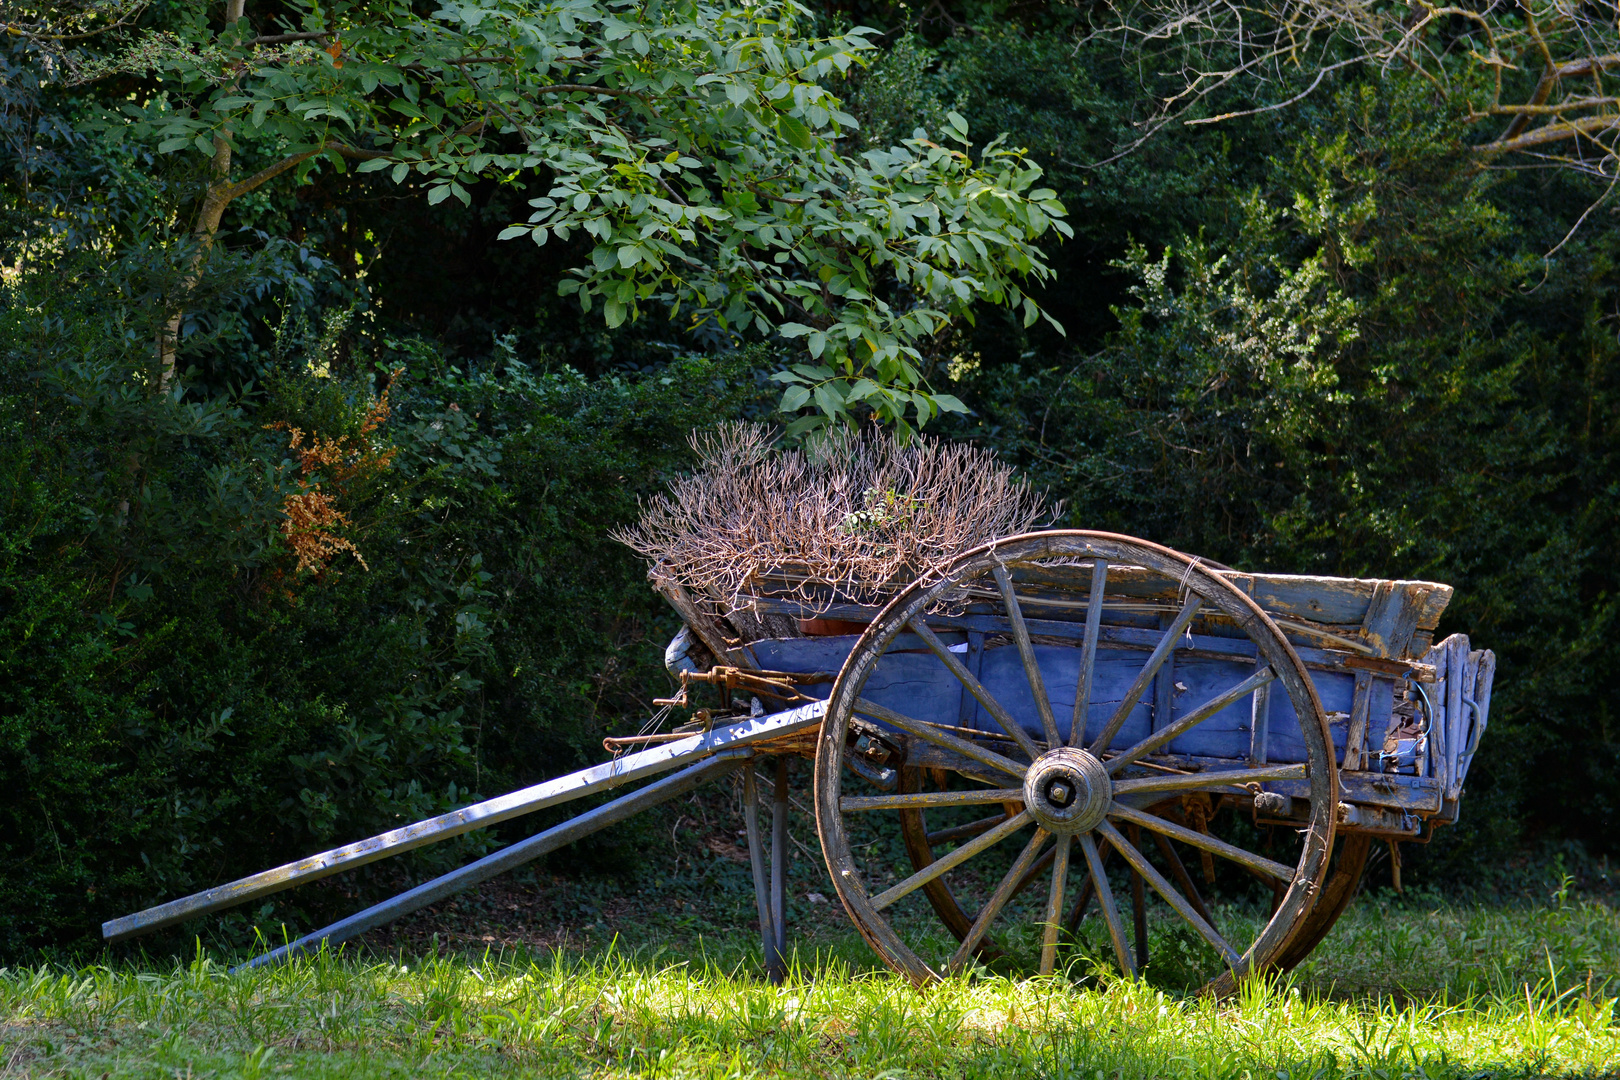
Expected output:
{"points": [[850, 518]]}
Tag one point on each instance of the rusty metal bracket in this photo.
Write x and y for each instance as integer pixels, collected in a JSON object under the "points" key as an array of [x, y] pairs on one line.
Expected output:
{"points": [[781, 685]]}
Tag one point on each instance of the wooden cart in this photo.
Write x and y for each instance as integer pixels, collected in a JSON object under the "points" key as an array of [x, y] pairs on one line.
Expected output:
{"points": [[1050, 726]]}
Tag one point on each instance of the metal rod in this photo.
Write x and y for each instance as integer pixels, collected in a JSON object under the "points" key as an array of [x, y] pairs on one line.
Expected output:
{"points": [[478, 816], [1139, 931], [1184, 880], [508, 858], [959, 832], [1213, 779]]}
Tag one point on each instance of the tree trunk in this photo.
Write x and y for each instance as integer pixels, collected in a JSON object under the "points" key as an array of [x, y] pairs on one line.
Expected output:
{"points": [[220, 193]]}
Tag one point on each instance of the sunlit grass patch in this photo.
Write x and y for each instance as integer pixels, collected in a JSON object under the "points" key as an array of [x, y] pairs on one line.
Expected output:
{"points": [[1397, 991]]}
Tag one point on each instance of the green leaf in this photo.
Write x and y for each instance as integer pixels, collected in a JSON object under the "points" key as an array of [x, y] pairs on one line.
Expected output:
{"points": [[829, 400], [793, 330], [794, 132], [950, 403], [514, 230], [794, 398], [805, 424]]}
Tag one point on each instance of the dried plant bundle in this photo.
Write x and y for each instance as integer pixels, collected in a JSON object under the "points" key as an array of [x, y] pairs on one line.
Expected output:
{"points": [[849, 518]]}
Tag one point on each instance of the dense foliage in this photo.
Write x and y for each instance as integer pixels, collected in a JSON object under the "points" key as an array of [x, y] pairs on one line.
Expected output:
{"points": [[353, 564]]}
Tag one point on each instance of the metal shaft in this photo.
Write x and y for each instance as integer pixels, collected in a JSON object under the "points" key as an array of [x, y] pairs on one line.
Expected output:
{"points": [[480, 815], [509, 857]]}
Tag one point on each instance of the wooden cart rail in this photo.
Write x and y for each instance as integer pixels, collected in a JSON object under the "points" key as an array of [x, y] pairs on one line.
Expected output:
{"points": [[1386, 619]]}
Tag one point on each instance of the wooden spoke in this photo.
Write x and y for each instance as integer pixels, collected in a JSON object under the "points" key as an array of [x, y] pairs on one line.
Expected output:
{"points": [[920, 800], [1262, 677], [1088, 653], [1184, 880], [1105, 901], [1161, 652], [961, 832], [1071, 925], [951, 860], [998, 899], [1204, 842], [1204, 780], [1054, 904], [1026, 651], [998, 711], [939, 738], [1140, 864]]}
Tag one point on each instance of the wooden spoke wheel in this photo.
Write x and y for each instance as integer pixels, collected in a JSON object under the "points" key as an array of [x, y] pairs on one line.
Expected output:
{"points": [[1343, 885], [1097, 779]]}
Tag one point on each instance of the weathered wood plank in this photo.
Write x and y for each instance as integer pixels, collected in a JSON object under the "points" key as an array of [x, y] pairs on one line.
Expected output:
{"points": [[921, 800], [1355, 741], [1416, 794], [1260, 724], [706, 627], [1129, 637]]}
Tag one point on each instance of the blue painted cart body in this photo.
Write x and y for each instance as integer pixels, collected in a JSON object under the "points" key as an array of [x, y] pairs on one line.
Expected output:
{"points": [[1405, 714]]}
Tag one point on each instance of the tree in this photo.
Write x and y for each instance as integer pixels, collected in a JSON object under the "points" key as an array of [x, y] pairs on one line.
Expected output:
{"points": [[1537, 79], [691, 142]]}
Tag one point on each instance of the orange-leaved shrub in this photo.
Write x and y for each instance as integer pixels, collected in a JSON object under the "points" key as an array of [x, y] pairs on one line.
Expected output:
{"points": [[327, 466]]}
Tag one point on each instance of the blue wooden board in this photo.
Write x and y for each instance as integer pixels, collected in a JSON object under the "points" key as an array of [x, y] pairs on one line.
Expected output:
{"points": [[911, 680]]}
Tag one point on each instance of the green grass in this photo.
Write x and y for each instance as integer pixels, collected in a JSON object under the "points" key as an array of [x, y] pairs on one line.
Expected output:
{"points": [[1401, 989]]}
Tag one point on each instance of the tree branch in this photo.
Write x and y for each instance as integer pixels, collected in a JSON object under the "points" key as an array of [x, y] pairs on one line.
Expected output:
{"points": [[283, 39], [1550, 133]]}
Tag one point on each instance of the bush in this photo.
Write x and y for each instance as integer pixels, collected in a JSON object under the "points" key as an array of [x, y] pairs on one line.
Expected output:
{"points": [[186, 705]]}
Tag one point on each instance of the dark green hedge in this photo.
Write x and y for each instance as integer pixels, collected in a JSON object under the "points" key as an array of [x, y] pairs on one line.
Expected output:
{"points": [[181, 708]]}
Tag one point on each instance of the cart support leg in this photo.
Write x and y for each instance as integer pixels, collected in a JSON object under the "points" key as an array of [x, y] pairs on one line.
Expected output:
{"points": [[1139, 929], [776, 956], [756, 861]]}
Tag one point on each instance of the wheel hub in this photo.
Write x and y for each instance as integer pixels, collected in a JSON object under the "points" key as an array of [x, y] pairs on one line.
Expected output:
{"points": [[1067, 791]]}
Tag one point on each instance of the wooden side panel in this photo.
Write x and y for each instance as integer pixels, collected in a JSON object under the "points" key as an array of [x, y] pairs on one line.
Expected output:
{"points": [[917, 684]]}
